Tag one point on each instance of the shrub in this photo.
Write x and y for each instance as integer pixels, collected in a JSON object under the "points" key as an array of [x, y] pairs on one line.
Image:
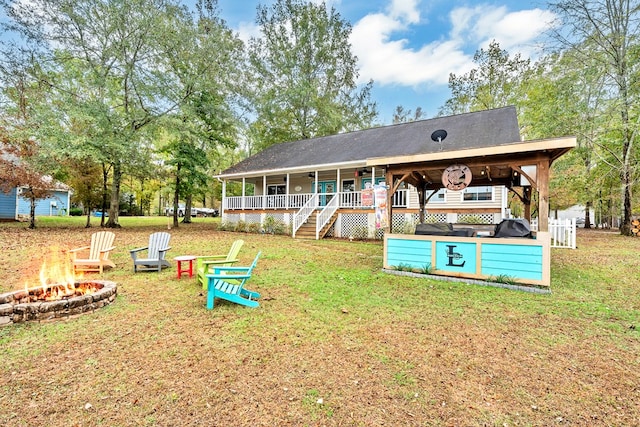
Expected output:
{"points": [[273, 226], [75, 212]]}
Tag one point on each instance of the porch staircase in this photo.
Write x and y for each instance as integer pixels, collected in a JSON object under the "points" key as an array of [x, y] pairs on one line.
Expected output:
{"points": [[308, 230]]}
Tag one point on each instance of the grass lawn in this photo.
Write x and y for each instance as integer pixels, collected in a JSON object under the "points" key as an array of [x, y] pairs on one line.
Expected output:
{"points": [[335, 342]]}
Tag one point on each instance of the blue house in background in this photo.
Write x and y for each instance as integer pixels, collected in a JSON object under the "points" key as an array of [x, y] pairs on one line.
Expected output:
{"points": [[14, 207]]}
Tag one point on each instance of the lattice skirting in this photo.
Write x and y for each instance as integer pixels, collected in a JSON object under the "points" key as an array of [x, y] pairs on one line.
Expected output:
{"points": [[363, 225]]}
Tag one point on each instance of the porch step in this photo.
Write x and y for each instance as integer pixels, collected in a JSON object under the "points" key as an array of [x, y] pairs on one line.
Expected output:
{"points": [[308, 229]]}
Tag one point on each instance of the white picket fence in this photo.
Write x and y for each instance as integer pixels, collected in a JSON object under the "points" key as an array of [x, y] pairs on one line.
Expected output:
{"points": [[563, 232]]}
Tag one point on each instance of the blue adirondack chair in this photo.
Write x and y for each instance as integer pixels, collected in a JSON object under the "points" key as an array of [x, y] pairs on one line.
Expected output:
{"points": [[156, 252], [228, 283]]}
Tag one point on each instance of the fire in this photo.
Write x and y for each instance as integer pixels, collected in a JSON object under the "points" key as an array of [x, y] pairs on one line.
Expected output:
{"points": [[57, 278]]}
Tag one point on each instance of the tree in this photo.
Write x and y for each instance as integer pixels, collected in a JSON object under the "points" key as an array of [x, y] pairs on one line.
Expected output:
{"points": [[204, 65], [566, 98], [22, 162], [305, 75], [607, 31], [119, 49], [498, 81], [400, 115]]}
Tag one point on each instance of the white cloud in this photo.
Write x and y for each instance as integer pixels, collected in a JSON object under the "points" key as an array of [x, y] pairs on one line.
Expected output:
{"points": [[390, 61], [405, 10], [515, 31], [246, 30]]}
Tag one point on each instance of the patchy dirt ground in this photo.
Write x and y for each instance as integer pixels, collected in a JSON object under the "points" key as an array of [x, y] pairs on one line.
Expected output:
{"points": [[334, 342]]}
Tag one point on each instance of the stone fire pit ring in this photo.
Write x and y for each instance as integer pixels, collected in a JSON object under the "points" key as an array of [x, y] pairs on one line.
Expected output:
{"points": [[20, 306]]}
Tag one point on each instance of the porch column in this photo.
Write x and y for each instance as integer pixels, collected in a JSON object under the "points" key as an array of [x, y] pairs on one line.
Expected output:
{"points": [[526, 195], [286, 203], [422, 197], [315, 186], [543, 195], [338, 187], [389, 183], [243, 192], [264, 191], [224, 198]]}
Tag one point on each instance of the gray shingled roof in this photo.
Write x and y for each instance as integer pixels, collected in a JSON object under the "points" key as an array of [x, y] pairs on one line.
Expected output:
{"points": [[464, 131]]}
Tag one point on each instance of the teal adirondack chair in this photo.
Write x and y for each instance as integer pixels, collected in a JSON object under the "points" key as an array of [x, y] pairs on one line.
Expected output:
{"points": [[156, 252], [228, 283], [205, 264]]}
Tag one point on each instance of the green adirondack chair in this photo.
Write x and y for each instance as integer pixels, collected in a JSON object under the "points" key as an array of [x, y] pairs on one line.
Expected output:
{"points": [[156, 252], [228, 283], [205, 264]]}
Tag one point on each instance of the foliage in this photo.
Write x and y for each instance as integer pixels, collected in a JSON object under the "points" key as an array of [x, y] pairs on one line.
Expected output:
{"points": [[23, 162], [400, 115], [606, 34], [273, 226], [498, 81], [305, 75]]}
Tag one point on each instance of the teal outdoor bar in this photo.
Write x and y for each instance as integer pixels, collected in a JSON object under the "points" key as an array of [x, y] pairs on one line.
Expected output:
{"points": [[523, 260], [468, 251]]}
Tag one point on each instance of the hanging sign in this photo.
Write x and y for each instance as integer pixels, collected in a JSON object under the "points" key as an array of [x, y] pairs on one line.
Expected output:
{"points": [[456, 177], [380, 195]]}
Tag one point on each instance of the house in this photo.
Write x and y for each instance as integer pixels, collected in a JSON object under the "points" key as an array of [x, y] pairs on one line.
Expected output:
{"points": [[320, 186], [14, 207]]}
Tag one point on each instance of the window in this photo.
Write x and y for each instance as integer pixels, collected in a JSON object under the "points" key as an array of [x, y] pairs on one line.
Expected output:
{"points": [[348, 185], [276, 189], [438, 197], [478, 194]]}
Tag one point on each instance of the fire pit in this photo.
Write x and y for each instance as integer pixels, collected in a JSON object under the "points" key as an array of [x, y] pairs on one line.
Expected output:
{"points": [[55, 302], [60, 294]]}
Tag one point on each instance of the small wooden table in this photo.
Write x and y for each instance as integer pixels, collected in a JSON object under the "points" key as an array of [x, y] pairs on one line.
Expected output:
{"points": [[185, 258]]}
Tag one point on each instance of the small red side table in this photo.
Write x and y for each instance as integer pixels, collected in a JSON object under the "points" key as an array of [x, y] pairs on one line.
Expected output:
{"points": [[185, 258]]}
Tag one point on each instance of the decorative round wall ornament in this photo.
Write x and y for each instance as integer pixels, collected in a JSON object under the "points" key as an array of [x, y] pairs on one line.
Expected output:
{"points": [[298, 188], [456, 177]]}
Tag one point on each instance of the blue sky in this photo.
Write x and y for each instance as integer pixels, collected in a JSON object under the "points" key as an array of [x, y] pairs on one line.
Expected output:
{"points": [[409, 47]]}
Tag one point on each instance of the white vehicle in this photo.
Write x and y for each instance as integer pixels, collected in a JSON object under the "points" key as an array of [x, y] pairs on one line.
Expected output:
{"points": [[168, 211]]}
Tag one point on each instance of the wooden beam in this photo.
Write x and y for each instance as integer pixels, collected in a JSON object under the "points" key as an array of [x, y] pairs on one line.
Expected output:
{"points": [[543, 195]]}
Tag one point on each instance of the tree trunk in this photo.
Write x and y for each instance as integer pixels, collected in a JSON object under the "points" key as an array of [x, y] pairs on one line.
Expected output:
{"points": [[587, 214], [176, 197], [187, 210], [625, 227], [115, 197], [32, 213]]}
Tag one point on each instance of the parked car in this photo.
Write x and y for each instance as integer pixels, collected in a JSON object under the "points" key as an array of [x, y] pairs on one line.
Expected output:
{"points": [[202, 212], [207, 212], [168, 211]]}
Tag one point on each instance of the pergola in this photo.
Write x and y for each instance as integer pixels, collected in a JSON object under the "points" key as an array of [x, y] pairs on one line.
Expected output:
{"points": [[504, 165]]}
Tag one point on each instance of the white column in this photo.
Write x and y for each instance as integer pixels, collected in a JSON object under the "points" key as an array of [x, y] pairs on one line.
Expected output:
{"points": [[224, 197], [264, 191], [243, 192]]}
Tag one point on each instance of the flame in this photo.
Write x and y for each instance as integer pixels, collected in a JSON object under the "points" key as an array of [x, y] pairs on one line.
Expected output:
{"points": [[57, 278]]}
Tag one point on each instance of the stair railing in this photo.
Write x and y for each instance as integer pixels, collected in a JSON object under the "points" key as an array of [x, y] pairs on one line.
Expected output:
{"points": [[325, 215], [304, 213]]}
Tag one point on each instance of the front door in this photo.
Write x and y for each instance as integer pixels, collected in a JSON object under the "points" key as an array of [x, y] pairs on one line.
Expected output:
{"points": [[325, 188]]}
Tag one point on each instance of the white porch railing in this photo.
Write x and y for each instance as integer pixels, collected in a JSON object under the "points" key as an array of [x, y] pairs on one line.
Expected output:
{"points": [[325, 215], [348, 199], [562, 231], [303, 214]]}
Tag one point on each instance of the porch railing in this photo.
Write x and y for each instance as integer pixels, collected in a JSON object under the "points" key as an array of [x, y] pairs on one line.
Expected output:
{"points": [[325, 215], [304, 213], [348, 200]]}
